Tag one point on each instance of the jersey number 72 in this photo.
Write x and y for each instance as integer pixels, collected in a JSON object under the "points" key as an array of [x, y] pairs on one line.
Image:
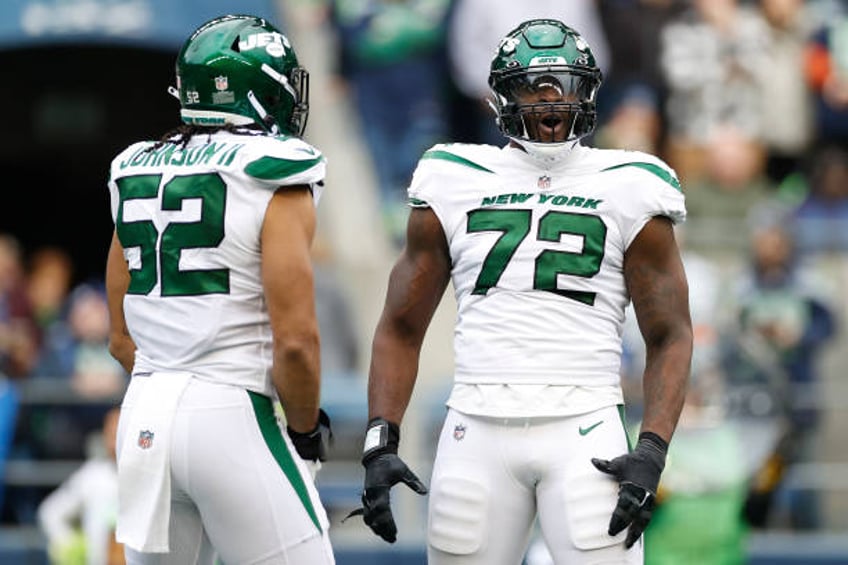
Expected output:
{"points": [[515, 225]]}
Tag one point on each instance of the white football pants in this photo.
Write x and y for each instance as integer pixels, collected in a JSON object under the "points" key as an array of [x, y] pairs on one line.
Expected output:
{"points": [[493, 476], [238, 487]]}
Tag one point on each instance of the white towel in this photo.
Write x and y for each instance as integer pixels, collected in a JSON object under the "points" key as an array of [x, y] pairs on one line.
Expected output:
{"points": [[144, 470]]}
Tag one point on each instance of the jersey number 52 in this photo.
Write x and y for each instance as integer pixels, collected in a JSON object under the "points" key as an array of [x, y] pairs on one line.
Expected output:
{"points": [[165, 250]]}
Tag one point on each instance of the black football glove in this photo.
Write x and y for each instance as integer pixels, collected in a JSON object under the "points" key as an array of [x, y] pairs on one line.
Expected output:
{"points": [[383, 470], [310, 445], [638, 474]]}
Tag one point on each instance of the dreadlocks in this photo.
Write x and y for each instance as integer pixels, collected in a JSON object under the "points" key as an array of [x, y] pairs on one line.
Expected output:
{"points": [[183, 133]]}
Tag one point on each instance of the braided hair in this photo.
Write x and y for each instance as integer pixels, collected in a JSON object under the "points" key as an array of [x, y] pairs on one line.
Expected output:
{"points": [[183, 133]]}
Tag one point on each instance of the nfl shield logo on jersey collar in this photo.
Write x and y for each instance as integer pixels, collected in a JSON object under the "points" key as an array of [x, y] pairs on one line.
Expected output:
{"points": [[544, 182]]}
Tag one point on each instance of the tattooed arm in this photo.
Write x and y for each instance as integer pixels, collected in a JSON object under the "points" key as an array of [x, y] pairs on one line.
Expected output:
{"points": [[655, 278]]}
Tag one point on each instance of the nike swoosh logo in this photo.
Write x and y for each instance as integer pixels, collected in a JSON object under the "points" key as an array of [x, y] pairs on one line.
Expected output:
{"points": [[583, 431]]}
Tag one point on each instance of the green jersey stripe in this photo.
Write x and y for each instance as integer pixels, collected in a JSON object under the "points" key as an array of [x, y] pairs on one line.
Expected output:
{"points": [[622, 415], [264, 410], [655, 169], [448, 156], [272, 168]]}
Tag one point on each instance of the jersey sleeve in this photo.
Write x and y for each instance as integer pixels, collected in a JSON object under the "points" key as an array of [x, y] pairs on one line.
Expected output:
{"points": [[440, 181], [282, 162], [649, 188], [420, 192]]}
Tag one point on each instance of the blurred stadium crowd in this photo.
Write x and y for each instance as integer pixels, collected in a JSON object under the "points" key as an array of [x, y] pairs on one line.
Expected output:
{"points": [[746, 100]]}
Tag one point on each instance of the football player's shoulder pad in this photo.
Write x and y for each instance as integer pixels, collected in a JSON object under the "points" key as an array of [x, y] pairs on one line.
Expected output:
{"points": [[639, 167], [284, 160], [469, 156], [287, 147]]}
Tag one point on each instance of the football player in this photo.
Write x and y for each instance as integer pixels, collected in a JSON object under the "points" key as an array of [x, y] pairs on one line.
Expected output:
{"points": [[545, 242], [211, 299]]}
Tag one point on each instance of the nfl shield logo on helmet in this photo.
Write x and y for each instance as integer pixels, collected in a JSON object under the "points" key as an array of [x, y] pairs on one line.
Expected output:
{"points": [[459, 432], [544, 182], [145, 439], [221, 82]]}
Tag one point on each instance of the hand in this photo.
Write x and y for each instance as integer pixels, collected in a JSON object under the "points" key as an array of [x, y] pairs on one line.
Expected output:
{"points": [[383, 470], [381, 474], [638, 473], [310, 445]]}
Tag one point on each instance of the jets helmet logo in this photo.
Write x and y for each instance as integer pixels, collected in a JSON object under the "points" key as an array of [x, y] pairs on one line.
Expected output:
{"points": [[274, 43]]}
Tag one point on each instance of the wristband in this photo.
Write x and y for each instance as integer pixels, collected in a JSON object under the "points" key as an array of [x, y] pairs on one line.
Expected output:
{"points": [[310, 445], [654, 441], [382, 437]]}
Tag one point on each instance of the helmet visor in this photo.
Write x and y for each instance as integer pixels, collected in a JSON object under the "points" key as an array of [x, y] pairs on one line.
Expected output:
{"points": [[570, 85]]}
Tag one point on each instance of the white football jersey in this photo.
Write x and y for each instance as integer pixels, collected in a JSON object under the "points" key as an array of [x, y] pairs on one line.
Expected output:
{"points": [[190, 220], [537, 255]]}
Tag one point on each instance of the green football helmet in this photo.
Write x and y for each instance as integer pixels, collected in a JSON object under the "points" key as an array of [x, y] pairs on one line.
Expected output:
{"points": [[545, 80], [241, 70]]}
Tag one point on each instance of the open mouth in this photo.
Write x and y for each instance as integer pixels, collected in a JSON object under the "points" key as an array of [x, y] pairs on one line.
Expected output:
{"points": [[550, 127], [551, 122]]}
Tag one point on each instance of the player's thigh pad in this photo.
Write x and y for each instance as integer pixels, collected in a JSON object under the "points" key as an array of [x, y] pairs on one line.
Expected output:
{"points": [[575, 500], [476, 508], [458, 514]]}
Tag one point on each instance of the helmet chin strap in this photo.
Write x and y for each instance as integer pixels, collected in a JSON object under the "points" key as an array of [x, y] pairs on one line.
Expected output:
{"points": [[262, 113]]}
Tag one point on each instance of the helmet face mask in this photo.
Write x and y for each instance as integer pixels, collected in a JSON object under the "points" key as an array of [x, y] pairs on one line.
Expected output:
{"points": [[241, 70], [545, 80]]}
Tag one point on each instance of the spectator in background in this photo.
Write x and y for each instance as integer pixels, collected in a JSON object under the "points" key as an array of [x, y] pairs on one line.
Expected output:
{"points": [[713, 59], [339, 338], [78, 347], [783, 319], [732, 187], [49, 280], [632, 29], [827, 72], [9, 403], [821, 220], [75, 351], [390, 53], [475, 29], [78, 518], [18, 332], [787, 104], [635, 123]]}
